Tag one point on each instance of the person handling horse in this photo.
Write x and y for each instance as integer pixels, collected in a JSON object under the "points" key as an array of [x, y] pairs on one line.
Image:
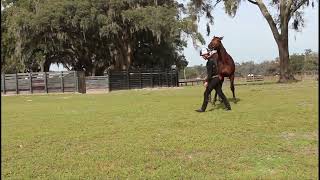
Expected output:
{"points": [[212, 82]]}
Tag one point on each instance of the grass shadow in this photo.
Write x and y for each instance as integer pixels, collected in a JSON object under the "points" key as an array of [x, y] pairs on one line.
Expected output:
{"points": [[235, 101], [217, 106], [220, 105]]}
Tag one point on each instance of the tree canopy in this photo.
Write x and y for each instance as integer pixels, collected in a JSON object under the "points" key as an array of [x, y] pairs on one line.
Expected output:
{"points": [[93, 35]]}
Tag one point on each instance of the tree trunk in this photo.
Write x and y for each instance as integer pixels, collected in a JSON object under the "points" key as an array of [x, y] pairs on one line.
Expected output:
{"points": [[284, 63], [285, 73], [93, 71], [42, 67], [281, 39], [129, 55], [45, 66]]}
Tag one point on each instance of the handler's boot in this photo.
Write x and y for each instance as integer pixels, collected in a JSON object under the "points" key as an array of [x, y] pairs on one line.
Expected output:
{"points": [[200, 110], [228, 107], [203, 107], [227, 104]]}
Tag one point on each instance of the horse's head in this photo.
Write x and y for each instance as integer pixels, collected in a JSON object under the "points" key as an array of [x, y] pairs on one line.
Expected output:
{"points": [[215, 43]]}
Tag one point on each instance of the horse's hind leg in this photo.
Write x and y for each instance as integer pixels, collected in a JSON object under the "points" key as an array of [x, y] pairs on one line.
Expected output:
{"points": [[215, 94], [232, 87]]}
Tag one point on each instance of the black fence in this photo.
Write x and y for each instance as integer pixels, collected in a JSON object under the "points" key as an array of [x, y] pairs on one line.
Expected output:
{"points": [[138, 79]]}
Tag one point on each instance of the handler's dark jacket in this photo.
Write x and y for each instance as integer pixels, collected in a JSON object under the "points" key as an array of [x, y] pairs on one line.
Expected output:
{"points": [[212, 69]]}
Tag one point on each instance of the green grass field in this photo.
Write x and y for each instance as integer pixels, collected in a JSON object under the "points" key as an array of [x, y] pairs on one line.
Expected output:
{"points": [[271, 133]]}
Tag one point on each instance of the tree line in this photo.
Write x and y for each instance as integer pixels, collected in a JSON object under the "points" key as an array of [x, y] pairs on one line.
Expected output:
{"points": [[299, 63], [95, 35]]}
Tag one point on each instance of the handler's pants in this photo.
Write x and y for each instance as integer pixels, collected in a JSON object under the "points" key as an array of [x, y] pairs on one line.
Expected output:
{"points": [[214, 84]]}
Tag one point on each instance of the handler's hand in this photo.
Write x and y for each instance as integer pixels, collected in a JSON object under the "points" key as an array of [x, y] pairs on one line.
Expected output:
{"points": [[205, 84]]}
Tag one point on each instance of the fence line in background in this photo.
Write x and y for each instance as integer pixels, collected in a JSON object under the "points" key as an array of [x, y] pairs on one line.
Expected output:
{"points": [[40, 82], [74, 81]]}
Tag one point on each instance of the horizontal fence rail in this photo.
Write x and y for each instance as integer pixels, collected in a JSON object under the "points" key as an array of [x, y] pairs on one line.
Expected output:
{"points": [[186, 82], [254, 78]]}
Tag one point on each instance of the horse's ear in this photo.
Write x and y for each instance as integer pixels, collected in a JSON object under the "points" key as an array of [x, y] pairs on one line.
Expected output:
{"points": [[221, 38]]}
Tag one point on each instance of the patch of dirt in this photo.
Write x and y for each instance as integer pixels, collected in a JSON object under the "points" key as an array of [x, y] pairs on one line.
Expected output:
{"points": [[97, 91], [304, 103], [158, 88], [310, 151], [307, 136]]}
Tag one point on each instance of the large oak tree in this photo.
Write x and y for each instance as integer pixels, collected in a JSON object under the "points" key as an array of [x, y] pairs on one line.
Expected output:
{"points": [[278, 13]]}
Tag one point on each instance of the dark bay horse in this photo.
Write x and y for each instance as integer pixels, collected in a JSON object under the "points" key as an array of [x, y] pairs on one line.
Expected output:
{"points": [[225, 63]]}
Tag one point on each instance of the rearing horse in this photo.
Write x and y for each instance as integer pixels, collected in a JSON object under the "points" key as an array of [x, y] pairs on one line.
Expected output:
{"points": [[226, 66]]}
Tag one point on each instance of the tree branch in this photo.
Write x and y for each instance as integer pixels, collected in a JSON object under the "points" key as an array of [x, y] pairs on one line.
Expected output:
{"points": [[218, 1], [290, 2], [302, 2], [253, 2], [269, 19]]}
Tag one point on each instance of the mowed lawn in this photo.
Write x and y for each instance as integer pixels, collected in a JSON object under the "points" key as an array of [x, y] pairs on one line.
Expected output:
{"points": [[271, 133]]}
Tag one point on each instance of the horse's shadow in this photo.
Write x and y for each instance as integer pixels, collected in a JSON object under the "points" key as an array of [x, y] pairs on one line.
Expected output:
{"points": [[235, 101], [220, 105]]}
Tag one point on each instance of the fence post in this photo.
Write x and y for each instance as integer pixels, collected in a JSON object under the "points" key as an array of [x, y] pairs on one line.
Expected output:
{"points": [[140, 75], [17, 84], [75, 81], [160, 84], [109, 81], [4, 83], [151, 77], [166, 72], [171, 81], [128, 79], [30, 81], [62, 82], [45, 82], [177, 78], [82, 82]]}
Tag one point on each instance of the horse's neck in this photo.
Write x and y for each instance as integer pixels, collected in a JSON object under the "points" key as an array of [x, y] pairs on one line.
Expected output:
{"points": [[223, 55]]}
